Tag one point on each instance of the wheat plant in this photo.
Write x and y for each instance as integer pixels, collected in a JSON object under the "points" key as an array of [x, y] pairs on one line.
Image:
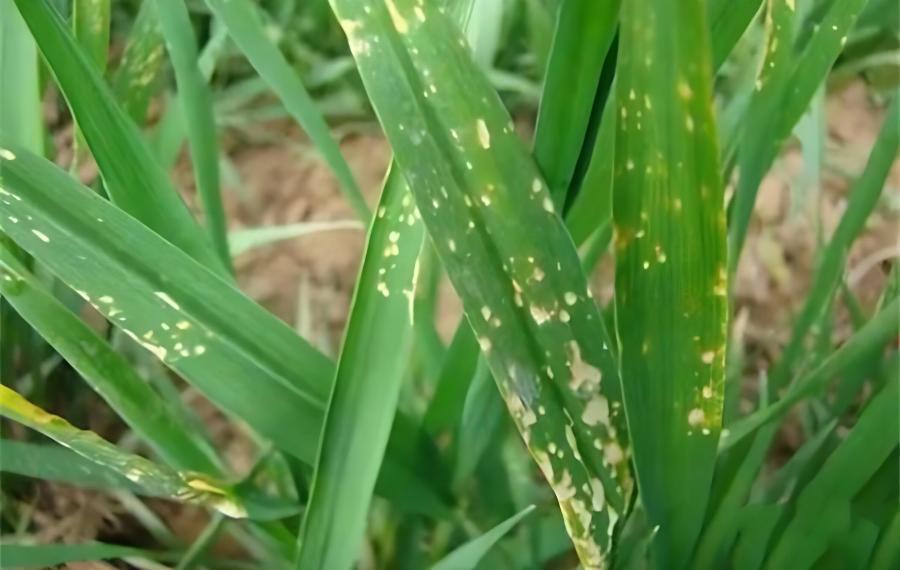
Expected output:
{"points": [[657, 122]]}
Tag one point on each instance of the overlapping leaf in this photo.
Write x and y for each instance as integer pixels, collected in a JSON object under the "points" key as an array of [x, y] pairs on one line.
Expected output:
{"points": [[786, 85], [152, 478], [241, 357], [495, 228], [585, 30], [167, 432], [244, 359], [134, 180], [244, 26], [863, 199]]}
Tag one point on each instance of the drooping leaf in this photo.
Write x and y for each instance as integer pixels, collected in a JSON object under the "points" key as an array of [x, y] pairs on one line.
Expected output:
{"points": [[56, 463], [140, 406], [188, 317], [671, 274], [153, 479], [196, 323]]}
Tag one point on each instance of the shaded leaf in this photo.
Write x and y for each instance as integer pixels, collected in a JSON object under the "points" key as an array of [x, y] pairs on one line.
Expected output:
{"points": [[468, 555]]}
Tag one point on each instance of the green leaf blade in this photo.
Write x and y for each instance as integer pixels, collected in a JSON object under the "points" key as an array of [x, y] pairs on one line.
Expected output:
{"points": [[134, 180], [367, 386], [108, 373], [826, 500], [863, 199], [242, 21], [671, 274], [153, 479], [243, 358], [135, 80], [584, 34], [50, 555], [781, 97], [21, 117], [469, 554], [507, 253], [196, 103]]}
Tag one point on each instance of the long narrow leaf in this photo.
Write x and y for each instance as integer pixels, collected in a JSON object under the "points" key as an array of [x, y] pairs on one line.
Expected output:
{"points": [[729, 20], [671, 288], [134, 180], [57, 463], [486, 207], [241, 357], [826, 499], [52, 555], [154, 479], [241, 241], [377, 344], [244, 26], [135, 80], [21, 116], [862, 201], [196, 103], [167, 432], [470, 554], [367, 384], [90, 28], [21, 121], [584, 33], [779, 102], [874, 334]]}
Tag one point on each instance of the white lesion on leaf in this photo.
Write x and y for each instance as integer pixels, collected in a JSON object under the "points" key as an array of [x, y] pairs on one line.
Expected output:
{"points": [[539, 314], [400, 23], [585, 376], [167, 299], [484, 135]]}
